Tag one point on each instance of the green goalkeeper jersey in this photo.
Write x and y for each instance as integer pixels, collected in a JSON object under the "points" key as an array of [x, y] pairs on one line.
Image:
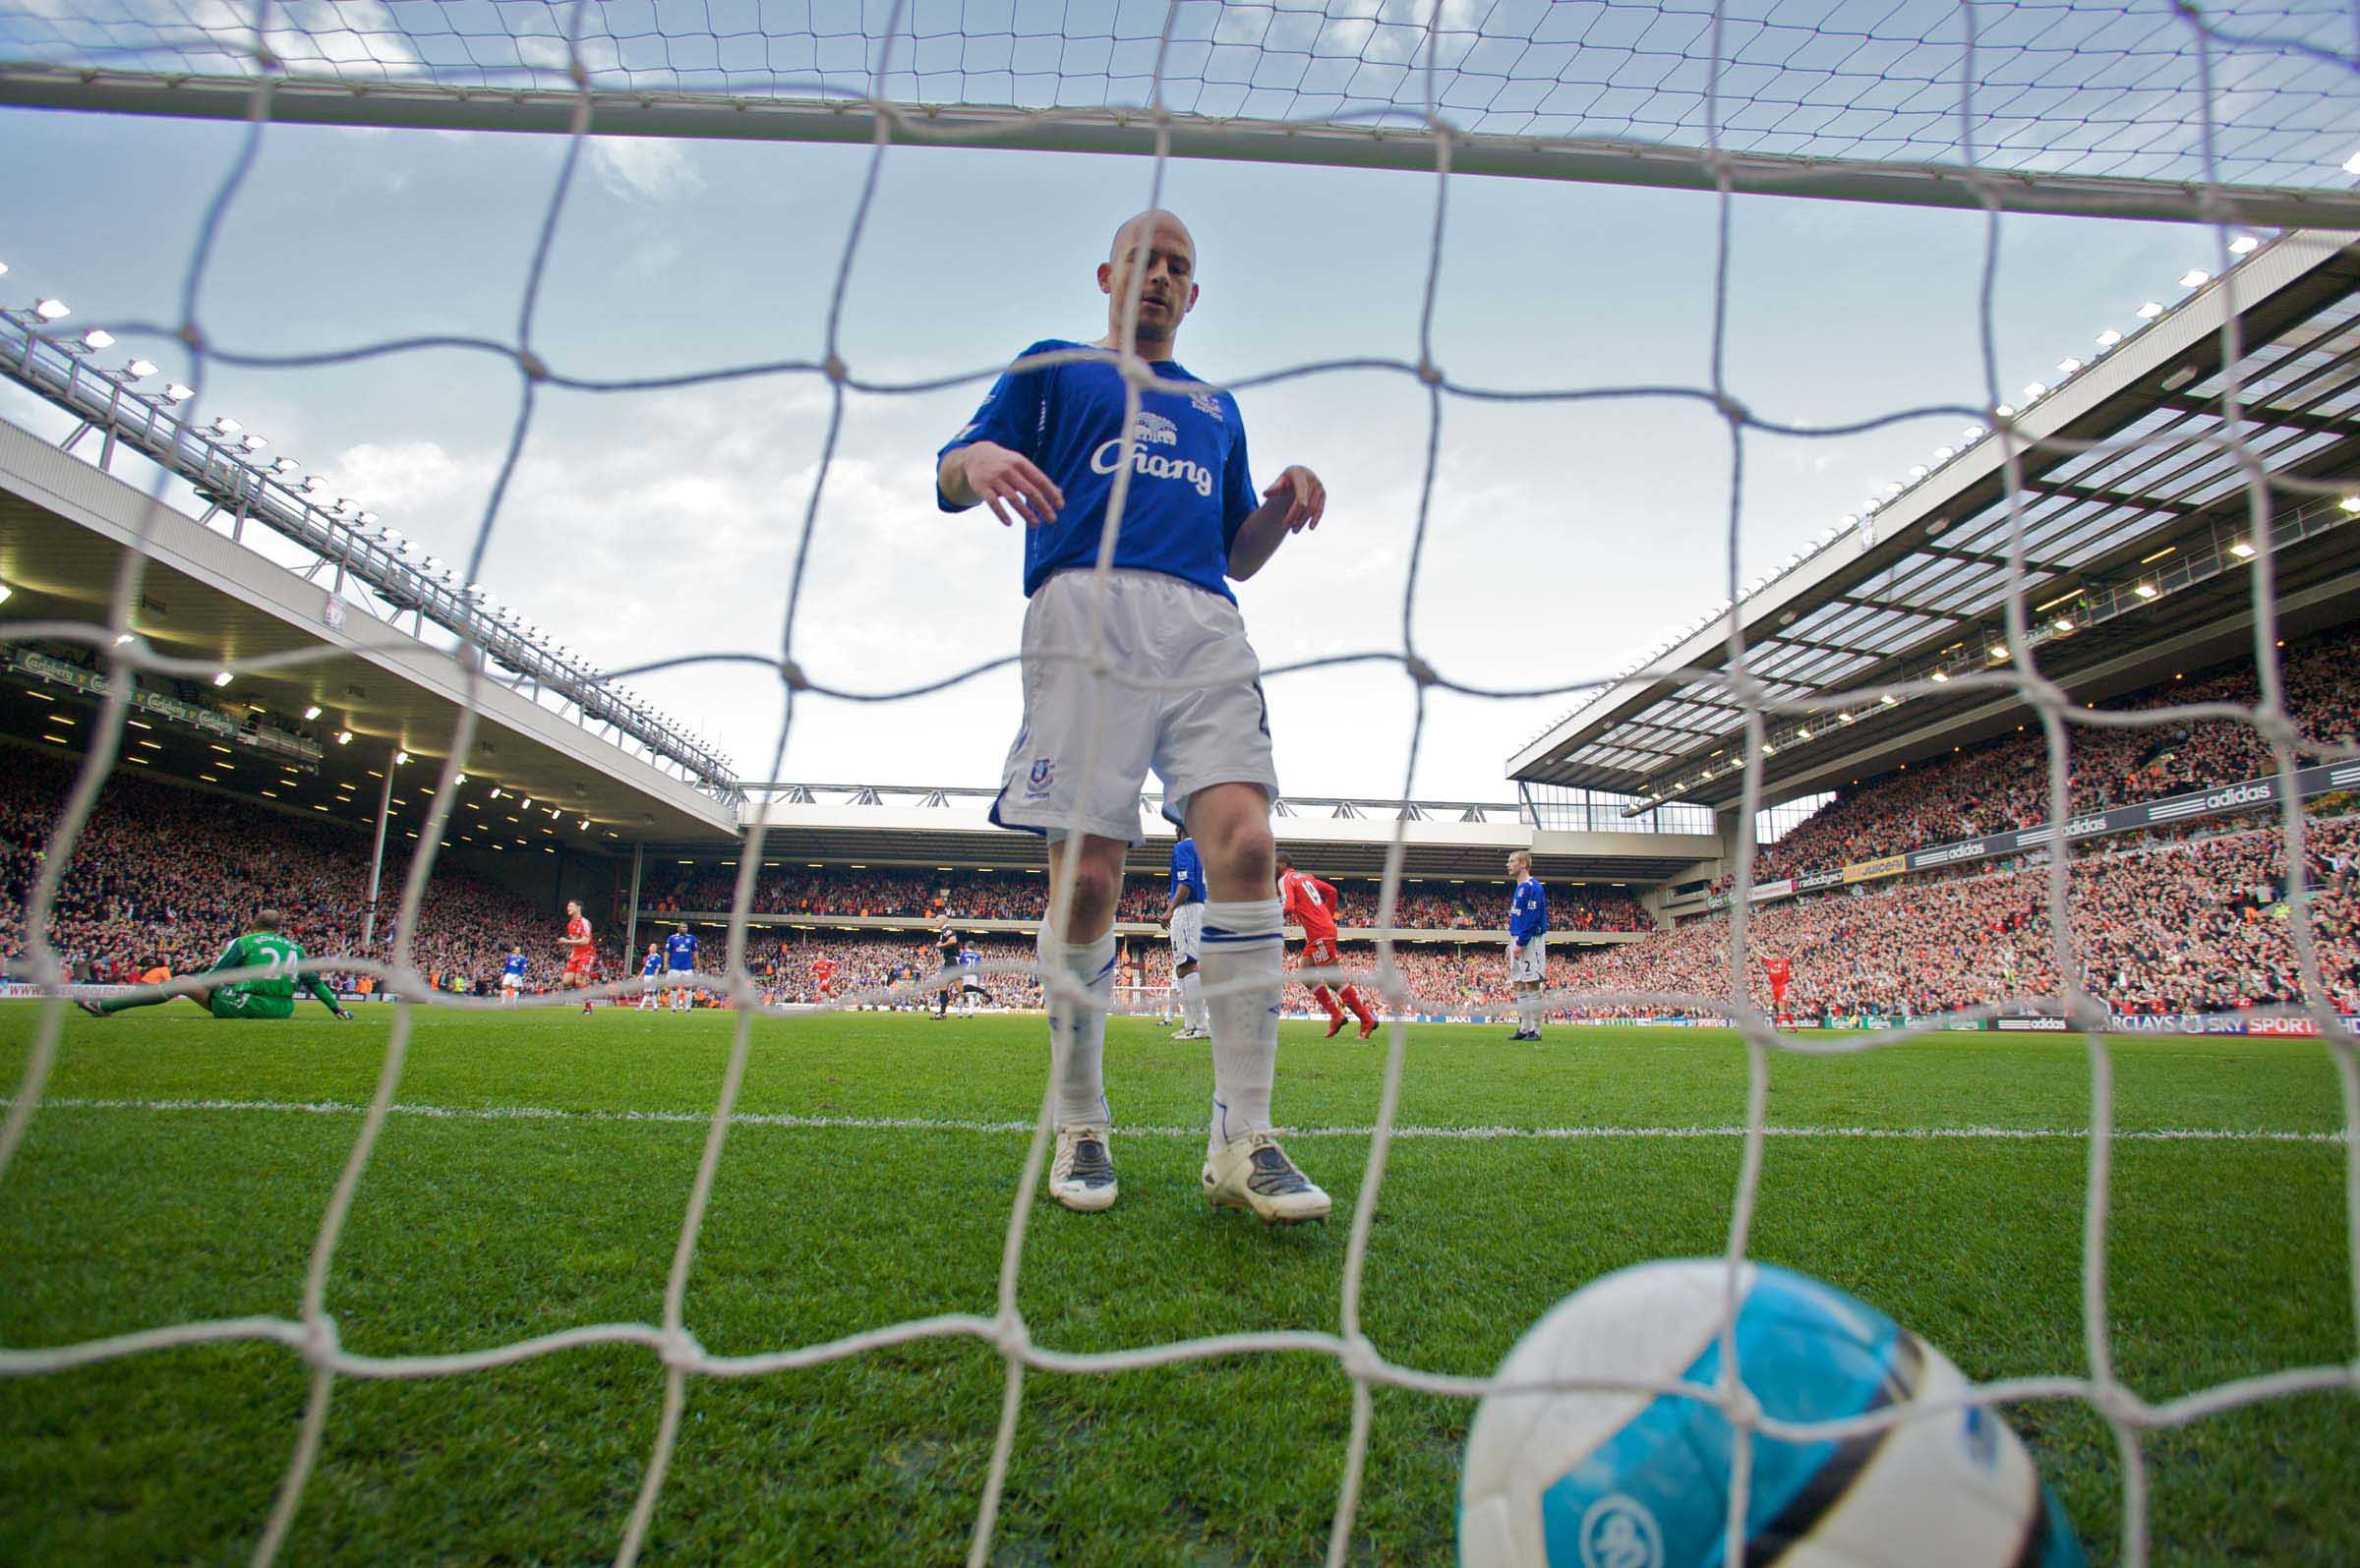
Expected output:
{"points": [[271, 994]]}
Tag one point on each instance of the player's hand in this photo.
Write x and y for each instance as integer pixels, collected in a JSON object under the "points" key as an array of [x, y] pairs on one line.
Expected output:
{"points": [[1306, 497], [1009, 483]]}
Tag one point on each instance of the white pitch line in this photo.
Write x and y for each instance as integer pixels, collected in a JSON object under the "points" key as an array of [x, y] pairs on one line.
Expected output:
{"points": [[926, 1124]]}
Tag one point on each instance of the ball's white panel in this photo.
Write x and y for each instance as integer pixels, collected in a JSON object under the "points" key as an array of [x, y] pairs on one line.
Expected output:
{"points": [[1952, 1491], [1650, 1322]]}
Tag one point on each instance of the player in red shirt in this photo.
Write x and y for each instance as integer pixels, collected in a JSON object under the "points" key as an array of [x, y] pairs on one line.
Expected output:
{"points": [[581, 954], [823, 977], [1778, 971], [1311, 905]]}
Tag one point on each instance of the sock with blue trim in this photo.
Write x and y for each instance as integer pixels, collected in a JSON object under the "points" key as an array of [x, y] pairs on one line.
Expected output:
{"points": [[1241, 944], [1078, 1030]]}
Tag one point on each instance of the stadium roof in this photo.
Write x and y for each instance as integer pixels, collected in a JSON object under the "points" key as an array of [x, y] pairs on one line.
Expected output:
{"points": [[2137, 560], [65, 528]]}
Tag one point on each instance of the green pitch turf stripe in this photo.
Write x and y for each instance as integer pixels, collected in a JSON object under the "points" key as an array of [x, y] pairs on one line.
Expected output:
{"points": [[921, 1124]]}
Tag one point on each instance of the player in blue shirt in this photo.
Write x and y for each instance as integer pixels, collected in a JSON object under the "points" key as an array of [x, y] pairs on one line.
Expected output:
{"points": [[1184, 697], [679, 958], [1527, 945], [1184, 919], [972, 992], [650, 969], [512, 974]]}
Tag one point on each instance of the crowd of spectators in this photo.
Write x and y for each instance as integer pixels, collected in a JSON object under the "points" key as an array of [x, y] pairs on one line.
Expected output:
{"points": [[165, 877], [2172, 925], [916, 893], [2003, 784]]}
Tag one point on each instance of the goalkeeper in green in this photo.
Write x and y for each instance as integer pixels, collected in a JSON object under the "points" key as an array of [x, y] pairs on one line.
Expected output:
{"points": [[270, 994]]}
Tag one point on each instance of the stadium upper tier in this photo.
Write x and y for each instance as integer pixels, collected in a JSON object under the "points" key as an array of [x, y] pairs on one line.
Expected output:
{"points": [[2137, 556]]}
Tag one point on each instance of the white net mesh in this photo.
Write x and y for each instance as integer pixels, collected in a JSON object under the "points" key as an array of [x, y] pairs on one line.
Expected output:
{"points": [[2142, 93]]}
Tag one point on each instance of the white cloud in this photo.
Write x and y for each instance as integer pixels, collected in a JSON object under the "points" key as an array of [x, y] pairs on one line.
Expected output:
{"points": [[643, 169]]}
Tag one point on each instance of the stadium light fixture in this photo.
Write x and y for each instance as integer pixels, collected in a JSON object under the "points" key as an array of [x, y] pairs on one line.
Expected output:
{"points": [[1846, 719], [177, 393], [343, 737], [1941, 677], [225, 426], [2242, 550], [1802, 734], [2005, 411], [2035, 391], [2244, 244], [253, 443], [2108, 340], [139, 370], [2068, 365], [122, 637], [2350, 504], [2149, 311], [2064, 626], [584, 825], [2352, 165], [97, 337], [284, 466], [1999, 652], [311, 713], [1918, 471], [2195, 277], [1943, 455], [5, 591], [2146, 590], [400, 756], [51, 310], [1769, 749]]}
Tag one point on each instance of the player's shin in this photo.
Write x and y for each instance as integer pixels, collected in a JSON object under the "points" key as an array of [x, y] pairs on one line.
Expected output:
{"points": [[1192, 1001], [1360, 1008], [1326, 1000], [1241, 966], [1078, 1027]]}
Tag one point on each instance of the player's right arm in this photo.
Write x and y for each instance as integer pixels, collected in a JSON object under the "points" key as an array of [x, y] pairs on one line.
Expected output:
{"points": [[990, 461]]}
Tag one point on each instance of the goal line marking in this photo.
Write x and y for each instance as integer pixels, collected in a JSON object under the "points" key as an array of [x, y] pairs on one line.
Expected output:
{"points": [[927, 1124]]}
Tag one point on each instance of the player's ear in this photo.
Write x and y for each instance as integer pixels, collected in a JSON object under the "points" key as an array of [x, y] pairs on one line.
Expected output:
{"points": [[1193, 291], [1105, 277]]}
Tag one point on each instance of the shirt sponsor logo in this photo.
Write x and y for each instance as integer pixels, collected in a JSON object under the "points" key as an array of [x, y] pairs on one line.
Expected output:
{"points": [[1152, 465], [1155, 431]]}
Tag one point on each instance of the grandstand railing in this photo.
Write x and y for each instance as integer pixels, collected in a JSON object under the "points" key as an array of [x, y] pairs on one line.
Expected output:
{"points": [[218, 462], [791, 793]]}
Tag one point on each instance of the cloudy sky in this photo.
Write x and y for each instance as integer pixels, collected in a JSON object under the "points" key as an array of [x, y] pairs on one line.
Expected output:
{"points": [[1564, 535]]}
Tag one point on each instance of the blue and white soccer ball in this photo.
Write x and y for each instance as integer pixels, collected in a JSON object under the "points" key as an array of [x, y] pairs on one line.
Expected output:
{"points": [[1642, 1480]]}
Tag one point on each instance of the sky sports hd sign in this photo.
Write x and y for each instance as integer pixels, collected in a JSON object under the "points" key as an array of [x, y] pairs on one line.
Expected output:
{"points": [[2310, 782]]}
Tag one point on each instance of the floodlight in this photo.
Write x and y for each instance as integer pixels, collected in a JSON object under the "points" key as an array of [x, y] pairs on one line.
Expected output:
{"points": [[2244, 244], [1768, 749], [367, 519], [2068, 365], [225, 426], [343, 737], [400, 756], [253, 443], [311, 713], [460, 780], [2195, 277], [496, 791], [313, 483], [122, 637], [2108, 338], [1916, 470], [5, 591], [2035, 391], [2242, 550], [2350, 504], [284, 466], [2149, 311], [1999, 652], [221, 678], [1972, 433], [97, 337], [2064, 626], [1941, 677], [584, 825], [175, 393], [1943, 455], [2146, 590], [51, 310], [139, 370], [2352, 165], [1845, 719], [1802, 734]]}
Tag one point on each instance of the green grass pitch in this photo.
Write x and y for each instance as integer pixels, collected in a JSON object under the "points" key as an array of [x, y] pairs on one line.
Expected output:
{"points": [[2228, 1258]]}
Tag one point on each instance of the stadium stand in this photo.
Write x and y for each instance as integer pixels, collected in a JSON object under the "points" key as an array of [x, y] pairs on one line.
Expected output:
{"points": [[2004, 783]]}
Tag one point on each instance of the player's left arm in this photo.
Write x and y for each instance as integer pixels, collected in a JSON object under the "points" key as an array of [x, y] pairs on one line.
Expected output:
{"points": [[1254, 529]]}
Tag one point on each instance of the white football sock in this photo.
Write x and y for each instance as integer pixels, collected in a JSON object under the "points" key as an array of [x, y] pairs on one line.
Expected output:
{"points": [[1078, 1032], [1192, 999], [1242, 943]]}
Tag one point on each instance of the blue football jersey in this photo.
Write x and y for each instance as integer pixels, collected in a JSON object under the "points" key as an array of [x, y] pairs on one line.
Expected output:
{"points": [[515, 966], [971, 961], [1188, 871], [1527, 911], [679, 951], [1191, 487], [654, 964]]}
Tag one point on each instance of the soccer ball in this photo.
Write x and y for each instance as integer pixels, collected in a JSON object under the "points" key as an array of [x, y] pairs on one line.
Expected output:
{"points": [[1640, 1481]]}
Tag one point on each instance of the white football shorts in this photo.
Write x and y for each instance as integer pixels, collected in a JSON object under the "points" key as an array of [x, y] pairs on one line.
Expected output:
{"points": [[1157, 630], [1188, 932], [508, 982], [1531, 962]]}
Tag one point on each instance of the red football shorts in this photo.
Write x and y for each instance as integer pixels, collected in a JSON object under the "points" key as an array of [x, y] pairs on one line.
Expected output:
{"points": [[1319, 953], [582, 961]]}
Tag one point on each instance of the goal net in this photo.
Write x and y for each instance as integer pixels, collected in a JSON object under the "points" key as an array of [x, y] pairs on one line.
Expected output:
{"points": [[2239, 115]]}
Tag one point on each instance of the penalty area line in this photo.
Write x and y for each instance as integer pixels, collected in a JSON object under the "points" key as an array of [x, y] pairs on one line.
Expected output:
{"points": [[925, 1123]]}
